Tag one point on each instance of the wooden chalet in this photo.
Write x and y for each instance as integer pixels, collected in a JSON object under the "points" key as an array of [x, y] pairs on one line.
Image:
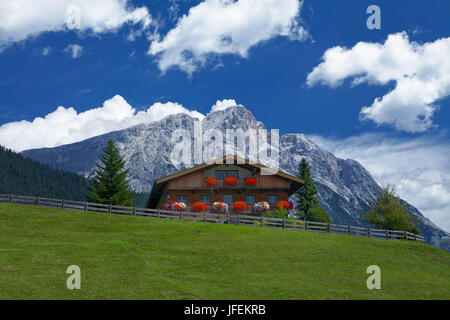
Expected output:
{"points": [[189, 186]]}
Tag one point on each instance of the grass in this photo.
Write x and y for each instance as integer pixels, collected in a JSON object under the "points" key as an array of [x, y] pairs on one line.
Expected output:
{"points": [[125, 257]]}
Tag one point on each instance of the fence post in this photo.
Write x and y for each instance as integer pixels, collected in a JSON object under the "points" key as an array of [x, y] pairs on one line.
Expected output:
{"points": [[37, 200], [86, 206], [262, 222], [284, 223], [110, 208], [63, 204], [159, 213], [329, 227], [11, 198], [368, 232], [204, 216], [349, 229], [306, 224], [181, 215], [134, 211], [387, 234]]}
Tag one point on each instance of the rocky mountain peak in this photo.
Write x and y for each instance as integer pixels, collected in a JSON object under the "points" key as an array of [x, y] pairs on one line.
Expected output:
{"points": [[236, 117]]}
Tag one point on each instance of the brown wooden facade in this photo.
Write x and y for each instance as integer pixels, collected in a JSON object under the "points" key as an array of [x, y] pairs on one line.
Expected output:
{"points": [[190, 186]]}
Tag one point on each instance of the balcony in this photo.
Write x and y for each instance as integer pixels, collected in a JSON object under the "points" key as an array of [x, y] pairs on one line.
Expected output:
{"points": [[222, 185], [210, 209]]}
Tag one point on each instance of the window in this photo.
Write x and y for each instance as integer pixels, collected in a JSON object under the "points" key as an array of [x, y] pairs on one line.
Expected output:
{"points": [[250, 199], [221, 174], [232, 174], [272, 199], [228, 198], [205, 199], [182, 198]]}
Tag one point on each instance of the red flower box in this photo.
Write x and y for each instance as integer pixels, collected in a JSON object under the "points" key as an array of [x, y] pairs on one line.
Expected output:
{"points": [[211, 181], [250, 181], [199, 206], [239, 206], [179, 206], [231, 181], [283, 204]]}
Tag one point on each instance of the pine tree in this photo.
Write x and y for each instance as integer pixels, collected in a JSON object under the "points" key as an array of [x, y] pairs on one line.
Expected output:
{"points": [[306, 195], [388, 212], [110, 185]]}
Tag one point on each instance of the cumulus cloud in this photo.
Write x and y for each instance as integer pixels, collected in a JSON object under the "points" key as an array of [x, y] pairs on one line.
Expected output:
{"points": [[421, 73], [216, 27], [21, 19], [66, 125], [74, 50], [419, 167]]}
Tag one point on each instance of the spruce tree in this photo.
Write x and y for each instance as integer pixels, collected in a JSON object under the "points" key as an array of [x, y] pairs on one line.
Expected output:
{"points": [[306, 195], [110, 184]]}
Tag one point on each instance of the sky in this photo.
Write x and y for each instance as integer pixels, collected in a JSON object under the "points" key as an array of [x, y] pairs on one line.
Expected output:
{"points": [[73, 69]]}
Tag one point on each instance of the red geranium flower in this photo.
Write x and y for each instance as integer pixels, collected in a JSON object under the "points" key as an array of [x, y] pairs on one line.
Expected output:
{"points": [[239, 206], [211, 181], [199, 206], [283, 204], [231, 181], [250, 181]]}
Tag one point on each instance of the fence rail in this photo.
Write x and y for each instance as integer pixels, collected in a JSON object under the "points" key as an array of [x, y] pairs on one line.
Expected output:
{"points": [[248, 220]]}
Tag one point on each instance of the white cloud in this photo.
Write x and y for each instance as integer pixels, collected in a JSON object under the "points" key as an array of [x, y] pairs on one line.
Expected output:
{"points": [[46, 51], [74, 50], [216, 27], [21, 19], [421, 73], [419, 167], [66, 125], [223, 104]]}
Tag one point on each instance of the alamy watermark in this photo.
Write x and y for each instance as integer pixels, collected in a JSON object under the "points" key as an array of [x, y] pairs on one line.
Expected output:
{"points": [[74, 280], [374, 281], [73, 21], [374, 20], [198, 146]]}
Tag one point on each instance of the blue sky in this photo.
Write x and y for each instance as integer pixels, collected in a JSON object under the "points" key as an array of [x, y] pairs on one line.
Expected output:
{"points": [[41, 70]]}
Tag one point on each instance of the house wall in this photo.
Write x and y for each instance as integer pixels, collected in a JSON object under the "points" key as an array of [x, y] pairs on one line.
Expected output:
{"points": [[197, 179], [193, 186]]}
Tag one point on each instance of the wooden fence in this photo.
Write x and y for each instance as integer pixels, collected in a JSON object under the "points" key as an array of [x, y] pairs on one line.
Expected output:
{"points": [[289, 224]]}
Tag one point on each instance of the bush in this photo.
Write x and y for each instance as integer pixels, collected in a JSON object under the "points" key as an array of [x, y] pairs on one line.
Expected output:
{"points": [[279, 213], [317, 214]]}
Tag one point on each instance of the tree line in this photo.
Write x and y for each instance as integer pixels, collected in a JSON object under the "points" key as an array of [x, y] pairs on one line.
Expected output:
{"points": [[24, 176]]}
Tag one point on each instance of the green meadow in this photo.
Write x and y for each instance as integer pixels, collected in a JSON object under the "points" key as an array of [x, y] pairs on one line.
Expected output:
{"points": [[126, 257]]}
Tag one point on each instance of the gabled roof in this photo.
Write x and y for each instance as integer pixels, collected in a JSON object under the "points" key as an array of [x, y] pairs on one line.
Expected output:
{"points": [[159, 185], [236, 160]]}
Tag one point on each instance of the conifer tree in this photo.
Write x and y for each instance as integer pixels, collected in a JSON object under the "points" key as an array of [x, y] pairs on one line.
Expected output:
{"points": [[110, 184], [306, 195], [387, 212]]}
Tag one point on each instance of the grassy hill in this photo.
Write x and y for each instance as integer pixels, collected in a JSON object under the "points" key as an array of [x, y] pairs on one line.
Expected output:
{"points": [[125, 257]]}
